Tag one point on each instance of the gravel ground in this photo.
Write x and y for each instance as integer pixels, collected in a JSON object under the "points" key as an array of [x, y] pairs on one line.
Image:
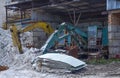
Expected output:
{"points": [[111, 70]]}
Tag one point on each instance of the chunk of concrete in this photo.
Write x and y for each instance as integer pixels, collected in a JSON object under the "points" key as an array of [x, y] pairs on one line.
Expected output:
{"points": [[58, 61]]}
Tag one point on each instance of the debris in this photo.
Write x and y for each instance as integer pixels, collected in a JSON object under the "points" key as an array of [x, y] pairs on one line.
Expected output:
{"points": [[2, 68], [58, 61], [9, 55], [20, 67]]}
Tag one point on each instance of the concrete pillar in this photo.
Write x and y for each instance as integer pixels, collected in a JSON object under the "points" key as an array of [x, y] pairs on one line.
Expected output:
{"points": [[114, 34]]}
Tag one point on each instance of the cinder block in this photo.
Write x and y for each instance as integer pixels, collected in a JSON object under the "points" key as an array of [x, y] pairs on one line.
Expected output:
{"points": [[113, 28], [114, 42], [117, 35], [114, 50], [111, 35]]}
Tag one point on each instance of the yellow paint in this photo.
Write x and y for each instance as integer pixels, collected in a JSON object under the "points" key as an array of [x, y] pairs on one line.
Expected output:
{"points": [[16, 33]]}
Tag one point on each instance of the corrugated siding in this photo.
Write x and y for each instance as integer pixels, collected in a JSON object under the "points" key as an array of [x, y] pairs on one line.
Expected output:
{"points": [[113, 4]]}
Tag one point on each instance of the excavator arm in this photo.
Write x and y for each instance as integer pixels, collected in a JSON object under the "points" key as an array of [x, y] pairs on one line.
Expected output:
{"points": [[16, 38], [57, 37], [16, 33], [41, 25]]}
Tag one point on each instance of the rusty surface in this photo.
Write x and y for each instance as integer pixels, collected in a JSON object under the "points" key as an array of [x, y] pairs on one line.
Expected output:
{"points": [[2, 68]]}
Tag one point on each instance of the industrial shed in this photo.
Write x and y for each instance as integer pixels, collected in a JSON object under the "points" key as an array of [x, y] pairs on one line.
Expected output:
{"points": [[81, 13], [60, 39]]}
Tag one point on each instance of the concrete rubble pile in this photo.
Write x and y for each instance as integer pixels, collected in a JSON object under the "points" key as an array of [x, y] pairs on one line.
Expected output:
{"points": [[9, 55], [16, 64]]}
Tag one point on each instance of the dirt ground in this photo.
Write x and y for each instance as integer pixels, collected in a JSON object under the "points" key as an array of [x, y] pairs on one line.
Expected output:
{"points": [[111, 70], [107, 70]]}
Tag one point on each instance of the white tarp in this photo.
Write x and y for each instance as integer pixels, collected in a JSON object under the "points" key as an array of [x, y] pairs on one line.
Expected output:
{"points": [[63, 58]]}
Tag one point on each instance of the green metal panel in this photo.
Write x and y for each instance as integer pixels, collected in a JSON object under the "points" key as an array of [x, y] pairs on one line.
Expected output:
{"points": [[105, 36]]}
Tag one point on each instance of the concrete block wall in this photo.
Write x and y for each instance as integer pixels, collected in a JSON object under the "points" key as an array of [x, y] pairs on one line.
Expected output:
{"points": [[114, 34], [84, 26], [39, 36]]}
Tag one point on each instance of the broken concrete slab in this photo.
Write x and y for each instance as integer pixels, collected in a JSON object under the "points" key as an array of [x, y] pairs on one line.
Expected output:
{"points": [[58, 61]]}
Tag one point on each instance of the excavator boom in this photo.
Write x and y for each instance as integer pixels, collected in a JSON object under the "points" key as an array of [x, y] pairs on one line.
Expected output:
{"points": [[72, 32], [41, 25], [16, 33]]}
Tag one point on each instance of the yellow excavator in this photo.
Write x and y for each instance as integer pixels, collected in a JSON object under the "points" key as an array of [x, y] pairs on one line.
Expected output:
{"points": [[16, 33]]}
